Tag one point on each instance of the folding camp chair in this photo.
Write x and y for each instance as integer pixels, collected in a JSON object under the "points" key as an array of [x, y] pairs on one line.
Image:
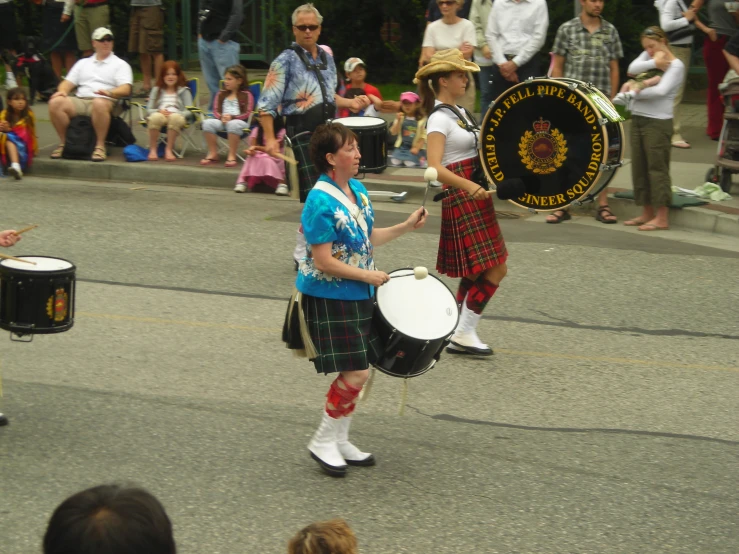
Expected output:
{"points": [[255, 89], [187, 135]]}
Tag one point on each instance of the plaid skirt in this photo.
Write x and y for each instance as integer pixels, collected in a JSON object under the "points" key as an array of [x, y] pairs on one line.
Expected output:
{"points": [[470, 240], [307, 172], [342, 332]]}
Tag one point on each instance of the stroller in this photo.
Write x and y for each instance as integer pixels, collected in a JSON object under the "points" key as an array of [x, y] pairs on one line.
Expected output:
{"points": [[31, 63], [727, 156]]}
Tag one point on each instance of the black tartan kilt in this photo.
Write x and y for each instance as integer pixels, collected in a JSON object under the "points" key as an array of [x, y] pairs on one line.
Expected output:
{"points": [[342, 332]]}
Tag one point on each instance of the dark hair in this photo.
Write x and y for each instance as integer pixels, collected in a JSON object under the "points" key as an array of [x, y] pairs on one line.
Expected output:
{"points": [[324, 537], [428, 92], [327, 139], [13, 117], [110, 519], [238, 71]]}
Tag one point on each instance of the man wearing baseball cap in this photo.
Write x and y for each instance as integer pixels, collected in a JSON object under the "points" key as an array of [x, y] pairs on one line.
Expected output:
{"points": [[100, 81], [356, 72]]}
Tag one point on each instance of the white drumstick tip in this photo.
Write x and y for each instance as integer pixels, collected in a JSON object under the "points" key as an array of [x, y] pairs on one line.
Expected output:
{"points": [[430, 174], [420, 272]]}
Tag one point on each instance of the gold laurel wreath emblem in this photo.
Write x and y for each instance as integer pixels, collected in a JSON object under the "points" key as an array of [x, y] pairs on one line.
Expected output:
{"points": [[549, 165]]}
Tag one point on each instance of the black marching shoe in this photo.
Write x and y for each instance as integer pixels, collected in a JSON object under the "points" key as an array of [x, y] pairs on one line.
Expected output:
{"points": [[3, 420]]}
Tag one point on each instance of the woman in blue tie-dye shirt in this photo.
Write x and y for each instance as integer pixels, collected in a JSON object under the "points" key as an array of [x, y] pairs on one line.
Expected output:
{"points": [[337, 280]]}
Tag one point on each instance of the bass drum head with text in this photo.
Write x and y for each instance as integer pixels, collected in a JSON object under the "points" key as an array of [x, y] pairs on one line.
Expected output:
{"points": [[550, 134]]}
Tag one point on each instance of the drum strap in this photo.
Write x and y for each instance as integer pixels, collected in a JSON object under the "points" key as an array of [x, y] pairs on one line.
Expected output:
{"points": [[329, 109], [467, 123]]}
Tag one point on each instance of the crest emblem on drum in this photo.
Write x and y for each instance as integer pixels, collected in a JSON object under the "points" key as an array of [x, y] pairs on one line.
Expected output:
{"points": [[544, 150], [56, 307]]}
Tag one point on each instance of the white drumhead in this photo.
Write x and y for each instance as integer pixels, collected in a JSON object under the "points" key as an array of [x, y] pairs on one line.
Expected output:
{"points": [[42, 263], [419, 308], [356, 121]]}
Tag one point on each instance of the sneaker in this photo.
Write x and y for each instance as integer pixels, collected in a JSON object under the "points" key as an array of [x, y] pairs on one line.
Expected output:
{"points": [[240, 187], [15, 172], [282, 190], [395, 162], [409, 163]]}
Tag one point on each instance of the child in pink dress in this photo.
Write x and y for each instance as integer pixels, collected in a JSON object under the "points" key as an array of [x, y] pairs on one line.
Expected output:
{"points": [[260, 167]]}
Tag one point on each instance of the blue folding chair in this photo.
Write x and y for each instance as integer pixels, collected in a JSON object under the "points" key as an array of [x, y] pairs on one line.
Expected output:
{"points": [[187, 135]]}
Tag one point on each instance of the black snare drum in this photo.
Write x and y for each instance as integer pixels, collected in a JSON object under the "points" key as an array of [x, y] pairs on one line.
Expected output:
{"points": [[562, 137], [372, 141], [415, 320], [37, 299]]}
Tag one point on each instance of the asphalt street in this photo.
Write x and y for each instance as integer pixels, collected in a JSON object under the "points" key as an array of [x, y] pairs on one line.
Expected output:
{"points": [[606, 421]]}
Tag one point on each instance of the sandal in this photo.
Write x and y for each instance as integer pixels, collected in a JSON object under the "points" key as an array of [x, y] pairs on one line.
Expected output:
{"points": [[635, 222], [231, 163], [57, 152], [653, 227], [99, 154], [559, 216], [603, 213], [208, 161]]}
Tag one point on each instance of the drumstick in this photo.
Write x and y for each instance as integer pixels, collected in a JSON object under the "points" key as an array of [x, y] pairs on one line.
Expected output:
{"points": [[4, 257], [287, 159], [25, 229]]}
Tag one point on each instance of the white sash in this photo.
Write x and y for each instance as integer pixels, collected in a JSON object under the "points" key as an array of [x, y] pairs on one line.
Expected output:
{"points": [[354, 210]]}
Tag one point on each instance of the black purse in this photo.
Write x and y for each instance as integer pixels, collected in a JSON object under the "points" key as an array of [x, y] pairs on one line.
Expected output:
{"points": [[683, 32]]}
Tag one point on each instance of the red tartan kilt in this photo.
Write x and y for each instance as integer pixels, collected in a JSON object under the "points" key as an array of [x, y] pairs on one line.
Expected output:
{"points": [[470, 240]]}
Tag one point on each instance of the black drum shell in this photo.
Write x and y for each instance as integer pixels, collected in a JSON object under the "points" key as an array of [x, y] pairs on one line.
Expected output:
{"points": [[25, 296], [372, 143]]}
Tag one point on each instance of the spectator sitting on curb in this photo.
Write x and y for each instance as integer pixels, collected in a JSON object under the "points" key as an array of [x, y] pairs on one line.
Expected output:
{"points": [[109, 519], [100, 80]]}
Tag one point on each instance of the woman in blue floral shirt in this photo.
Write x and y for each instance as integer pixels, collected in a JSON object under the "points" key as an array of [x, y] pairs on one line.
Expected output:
{"points": [[337, 280]]}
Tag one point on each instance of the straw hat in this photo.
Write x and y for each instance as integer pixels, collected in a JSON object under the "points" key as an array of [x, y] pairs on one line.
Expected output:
{"points": [[446, 60]]}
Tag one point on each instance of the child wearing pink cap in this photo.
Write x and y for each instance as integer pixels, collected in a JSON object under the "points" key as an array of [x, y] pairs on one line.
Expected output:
{"points": [[410, 126]]}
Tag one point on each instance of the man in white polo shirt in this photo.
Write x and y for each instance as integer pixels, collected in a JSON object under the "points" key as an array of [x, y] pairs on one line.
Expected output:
{"points": [[100, 81]]}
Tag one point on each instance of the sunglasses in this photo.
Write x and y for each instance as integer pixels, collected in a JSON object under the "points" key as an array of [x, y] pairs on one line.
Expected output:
{"points": [[305, 28], [446, 2], [106, 39]]}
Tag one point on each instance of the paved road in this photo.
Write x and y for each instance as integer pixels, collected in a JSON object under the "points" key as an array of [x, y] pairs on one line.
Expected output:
{"points": [[606, 421]]}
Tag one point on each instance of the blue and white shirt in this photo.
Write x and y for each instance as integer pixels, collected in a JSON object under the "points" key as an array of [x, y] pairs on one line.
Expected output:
{"points": [[325, 219]]}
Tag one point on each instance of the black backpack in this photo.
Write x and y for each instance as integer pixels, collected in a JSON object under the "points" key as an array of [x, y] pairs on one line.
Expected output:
{"points": [[119, 133], [80, 141]]}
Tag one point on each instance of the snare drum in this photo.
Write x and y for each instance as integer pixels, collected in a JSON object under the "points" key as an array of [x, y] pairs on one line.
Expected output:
{"points": [[372, 141], [37, 299], [415, 320], [562, 137]]}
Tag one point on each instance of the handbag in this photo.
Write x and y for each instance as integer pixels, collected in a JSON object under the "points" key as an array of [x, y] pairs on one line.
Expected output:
{"points": [[683, 32]]}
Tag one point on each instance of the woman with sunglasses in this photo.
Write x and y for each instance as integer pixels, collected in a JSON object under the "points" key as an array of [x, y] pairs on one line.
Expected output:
{"points": [[451, 31], [651, 130], [471, 245]]}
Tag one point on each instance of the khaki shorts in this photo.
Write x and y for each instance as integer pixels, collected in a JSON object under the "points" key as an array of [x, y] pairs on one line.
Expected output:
{"points": [[83, 106], [86, 20], [146, 30]]}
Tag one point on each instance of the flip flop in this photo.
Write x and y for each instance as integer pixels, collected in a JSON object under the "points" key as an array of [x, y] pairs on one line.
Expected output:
{"points": [[652, 227], [230, 163], [680, 144], [634, 222], [172, 159], [208, 161], [57, 152]]}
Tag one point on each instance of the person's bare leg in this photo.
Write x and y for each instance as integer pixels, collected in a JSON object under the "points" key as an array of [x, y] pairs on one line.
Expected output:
{"points": [[171, 140], [56, 63], [12, 151], [660, 219], [145, 61], [356, 378], [233, 145], [101, 109], [158, 61], [61, 111], [69, 60], [647, 214], [210, 140], [153, 138]]}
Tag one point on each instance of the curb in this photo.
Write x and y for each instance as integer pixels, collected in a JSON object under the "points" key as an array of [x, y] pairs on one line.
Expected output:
{"points": [[714, 219]]}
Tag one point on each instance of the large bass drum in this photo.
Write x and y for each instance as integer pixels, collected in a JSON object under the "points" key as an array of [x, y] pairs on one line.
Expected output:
{"points": [[562, 137]]}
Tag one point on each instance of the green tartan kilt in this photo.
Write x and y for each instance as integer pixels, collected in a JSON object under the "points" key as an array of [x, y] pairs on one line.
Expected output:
{"points": [[307, 172], [342, 332]]}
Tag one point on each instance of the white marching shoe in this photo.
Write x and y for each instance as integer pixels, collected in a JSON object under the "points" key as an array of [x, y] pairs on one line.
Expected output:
{"points": [[465, 339], [324, 449], [351, 454]]}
